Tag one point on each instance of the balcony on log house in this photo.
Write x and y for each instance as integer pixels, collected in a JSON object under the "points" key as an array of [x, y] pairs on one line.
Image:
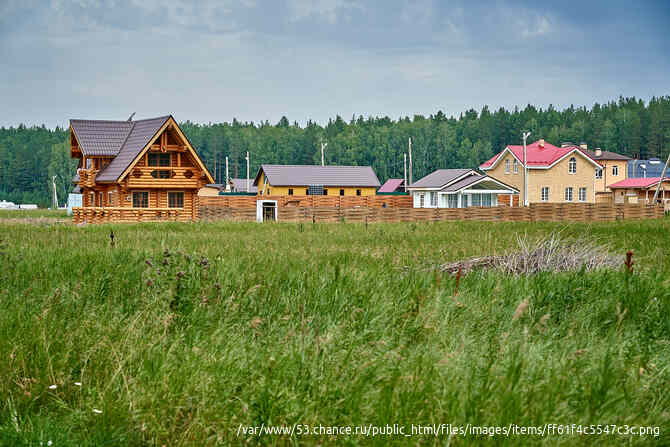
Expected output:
{"points": [[87, 177], [163, 177]]}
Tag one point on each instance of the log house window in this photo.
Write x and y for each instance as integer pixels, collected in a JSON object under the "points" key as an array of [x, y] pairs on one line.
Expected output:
{"points": [[615, 170], [100, 198], [290, 191], [358, 192], [341, 192], [140, 199], [175, 199], [325, 191], [162, 160]]}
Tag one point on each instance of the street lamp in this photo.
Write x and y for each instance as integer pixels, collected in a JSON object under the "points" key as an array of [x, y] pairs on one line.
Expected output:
{"points": [[525, 170]]}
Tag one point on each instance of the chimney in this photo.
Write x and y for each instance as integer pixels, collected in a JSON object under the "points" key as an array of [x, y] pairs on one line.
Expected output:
{"points": [[599, 152], [541, 143], [566, 144], [583, 145]]}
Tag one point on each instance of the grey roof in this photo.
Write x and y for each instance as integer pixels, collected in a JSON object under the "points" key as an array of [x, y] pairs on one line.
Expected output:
{"points": [[305, 175], [140, 134], [240, 185], [467, 181], [606, 155], [98, 137], [440, 178]]}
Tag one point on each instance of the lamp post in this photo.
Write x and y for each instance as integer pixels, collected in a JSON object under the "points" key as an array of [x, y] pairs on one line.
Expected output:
{"points": [[525, 170]]}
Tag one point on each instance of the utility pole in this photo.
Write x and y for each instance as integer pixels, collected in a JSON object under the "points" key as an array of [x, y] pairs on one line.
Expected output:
{"points": [[404, 165], [410, 160], [660, 182], [55, 196], [247, 171], [323, 160], [227, 179], [525, 170]]}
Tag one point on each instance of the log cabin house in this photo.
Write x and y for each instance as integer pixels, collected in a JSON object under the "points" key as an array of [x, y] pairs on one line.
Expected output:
{"points": [[136, 170]]}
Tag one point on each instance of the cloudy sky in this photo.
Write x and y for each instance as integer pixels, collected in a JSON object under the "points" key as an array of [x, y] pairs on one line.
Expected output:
{"points": [[211, 61]]}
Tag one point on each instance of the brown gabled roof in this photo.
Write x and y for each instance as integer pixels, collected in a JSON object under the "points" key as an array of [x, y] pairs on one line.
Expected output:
{"points": [[605, 155], [306, 175], [101, 137], [140, 134]]}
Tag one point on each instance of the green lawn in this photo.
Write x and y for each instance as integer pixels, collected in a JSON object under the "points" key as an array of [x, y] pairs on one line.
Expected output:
{"points": [[181, 332]]}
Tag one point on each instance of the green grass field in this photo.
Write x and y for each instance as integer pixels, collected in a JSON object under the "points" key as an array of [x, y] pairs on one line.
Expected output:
{"points": [[181, 333]]}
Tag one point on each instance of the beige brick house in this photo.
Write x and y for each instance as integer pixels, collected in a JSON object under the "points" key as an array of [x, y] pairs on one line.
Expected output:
{"points": [[555, 174]]}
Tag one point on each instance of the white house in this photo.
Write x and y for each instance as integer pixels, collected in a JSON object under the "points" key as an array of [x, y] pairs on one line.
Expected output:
{"points": [[457, 188]]}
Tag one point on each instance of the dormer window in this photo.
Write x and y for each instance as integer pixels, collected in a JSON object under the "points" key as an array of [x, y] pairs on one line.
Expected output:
{"points": [[572, 165], [507, 166], [516, 166]]}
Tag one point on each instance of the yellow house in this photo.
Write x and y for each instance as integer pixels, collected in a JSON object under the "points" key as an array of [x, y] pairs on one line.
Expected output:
{"points": [[614, 168], [555, 174], [303, 180]]}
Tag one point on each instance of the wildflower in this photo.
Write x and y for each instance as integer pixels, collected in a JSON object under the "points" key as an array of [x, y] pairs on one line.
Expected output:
{"points": [[149, 263], [78, 383], [180, 274], [96, 411], [49, 442], [166, 253], [149, 283], [205, 300], [53, 387]]}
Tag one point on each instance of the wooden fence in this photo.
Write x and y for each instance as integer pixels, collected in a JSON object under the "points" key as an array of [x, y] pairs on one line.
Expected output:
{"points": [[534, 213], [309, 201]]}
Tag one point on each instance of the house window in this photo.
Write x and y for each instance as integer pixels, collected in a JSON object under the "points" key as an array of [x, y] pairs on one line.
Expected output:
{"points": [[615, 170], [507, 166], [582, 194], [545, 194], [452, 201], [159, 159], [101, 196], [599, 173], [516, 166], [358, 192], [268, 191], [325, 191], [290, 191], [161, 173], [475, 200], [307, 192], [175, 199], [341, 192], [109, 198], [572, 165], [91, 199], [433, 199], [486, 200], [140, 199], [568, 194], [421, 200]]}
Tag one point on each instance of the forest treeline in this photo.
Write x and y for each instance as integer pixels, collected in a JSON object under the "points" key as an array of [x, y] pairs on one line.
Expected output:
{"points": [[31, 156]]}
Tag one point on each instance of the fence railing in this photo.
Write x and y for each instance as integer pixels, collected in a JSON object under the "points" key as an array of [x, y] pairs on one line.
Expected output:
{"points": [[532, 213], [309, 201]]}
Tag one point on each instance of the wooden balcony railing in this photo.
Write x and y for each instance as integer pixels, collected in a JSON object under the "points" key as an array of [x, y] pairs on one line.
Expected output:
{"points": [[119, 214], [164, 177], [86, 177]]}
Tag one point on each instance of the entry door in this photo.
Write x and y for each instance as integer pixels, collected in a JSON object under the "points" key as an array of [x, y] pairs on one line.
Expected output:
{"points": [[269, 212]]}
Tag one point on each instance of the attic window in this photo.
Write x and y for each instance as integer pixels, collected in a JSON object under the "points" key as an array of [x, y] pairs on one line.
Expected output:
{"points": [[159, 159], [188, 174]]}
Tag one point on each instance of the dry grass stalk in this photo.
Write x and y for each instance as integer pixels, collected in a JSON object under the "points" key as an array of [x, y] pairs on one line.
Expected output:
{"points": [[551, 254]]}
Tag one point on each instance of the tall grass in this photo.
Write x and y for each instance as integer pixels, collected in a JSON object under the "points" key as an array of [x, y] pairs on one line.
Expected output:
{"points": [[181, 332]]}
